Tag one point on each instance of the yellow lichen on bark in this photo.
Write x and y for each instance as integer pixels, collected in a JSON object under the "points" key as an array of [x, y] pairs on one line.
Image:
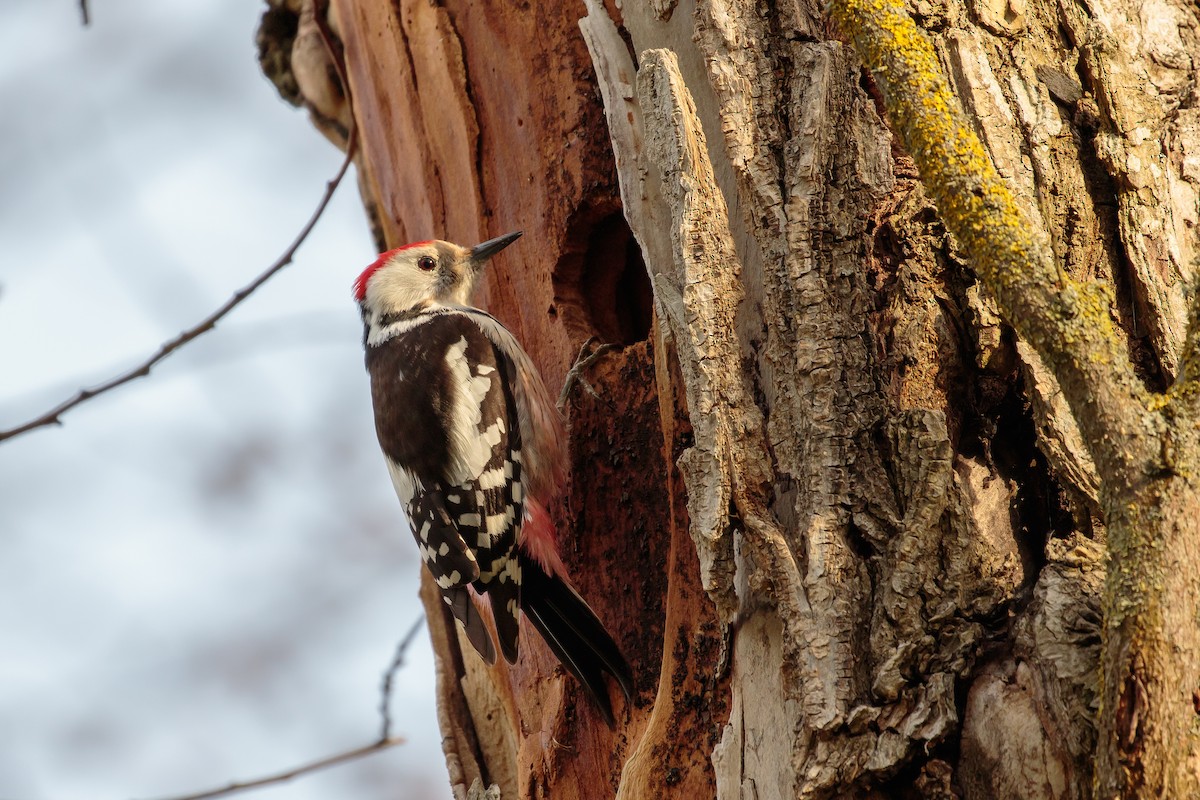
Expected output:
{"points": [[1070, 323], [950, 156], [1149, 744]]}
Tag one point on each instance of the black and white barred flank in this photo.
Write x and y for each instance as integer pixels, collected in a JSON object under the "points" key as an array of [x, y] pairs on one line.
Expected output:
{"points": [[453, 446]]}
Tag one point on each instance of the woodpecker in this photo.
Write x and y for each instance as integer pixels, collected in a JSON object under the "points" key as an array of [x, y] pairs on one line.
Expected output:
{"points": [[476, 451]]}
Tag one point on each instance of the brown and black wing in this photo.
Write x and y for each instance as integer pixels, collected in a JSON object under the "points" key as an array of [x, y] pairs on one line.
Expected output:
{"points": [[446, 417]]}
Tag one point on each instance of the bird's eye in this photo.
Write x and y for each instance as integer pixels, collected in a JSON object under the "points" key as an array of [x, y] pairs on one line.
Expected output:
{"points": [[426, 263]]}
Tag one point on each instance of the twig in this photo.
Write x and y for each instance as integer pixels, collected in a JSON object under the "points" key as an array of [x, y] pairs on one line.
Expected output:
{"points": [[52, 417], [384, 741], [295, 772], [83, 9], [575, 375], [385, 700]]}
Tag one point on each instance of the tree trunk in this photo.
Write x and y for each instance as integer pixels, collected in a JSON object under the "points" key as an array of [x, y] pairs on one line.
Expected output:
{"points": [[837, 514]]}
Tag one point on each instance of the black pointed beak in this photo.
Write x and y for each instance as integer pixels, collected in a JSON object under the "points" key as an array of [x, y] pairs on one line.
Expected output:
{"points": [[480, 253]]}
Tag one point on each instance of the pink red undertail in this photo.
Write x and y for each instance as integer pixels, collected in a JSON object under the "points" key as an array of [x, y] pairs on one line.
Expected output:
{"points": [[538, 539]]}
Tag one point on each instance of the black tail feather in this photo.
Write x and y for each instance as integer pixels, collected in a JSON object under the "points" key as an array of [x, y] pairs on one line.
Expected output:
{"points": [[506, 617], [574, 634], [464, 610]]}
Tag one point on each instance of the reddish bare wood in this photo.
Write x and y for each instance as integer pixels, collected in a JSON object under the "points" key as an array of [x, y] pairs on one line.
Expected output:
{"points": [[461, 144], [477, 119]]}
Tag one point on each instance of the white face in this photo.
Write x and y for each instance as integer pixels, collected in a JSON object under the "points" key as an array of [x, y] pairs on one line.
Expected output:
{"points": [[401, 279]]}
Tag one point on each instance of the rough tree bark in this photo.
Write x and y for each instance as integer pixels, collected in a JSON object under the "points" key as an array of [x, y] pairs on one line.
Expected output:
{"points": [[1145, 445], [842, 519]]}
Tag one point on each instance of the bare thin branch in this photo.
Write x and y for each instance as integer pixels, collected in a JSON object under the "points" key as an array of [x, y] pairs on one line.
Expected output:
{"points": [[295, 772], [385, 699], [384, 741], [54, 415]]}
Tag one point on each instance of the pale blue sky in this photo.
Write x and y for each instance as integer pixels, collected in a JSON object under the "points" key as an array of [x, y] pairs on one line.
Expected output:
{"points": [[203, 574]]}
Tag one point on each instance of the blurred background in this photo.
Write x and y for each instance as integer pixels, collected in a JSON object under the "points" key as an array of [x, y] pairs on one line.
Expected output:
{"points": [[204, 574]]}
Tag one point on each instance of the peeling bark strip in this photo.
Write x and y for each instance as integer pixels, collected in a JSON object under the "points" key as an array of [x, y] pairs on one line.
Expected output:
{"points": [[728, 468], [666, 176]]}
